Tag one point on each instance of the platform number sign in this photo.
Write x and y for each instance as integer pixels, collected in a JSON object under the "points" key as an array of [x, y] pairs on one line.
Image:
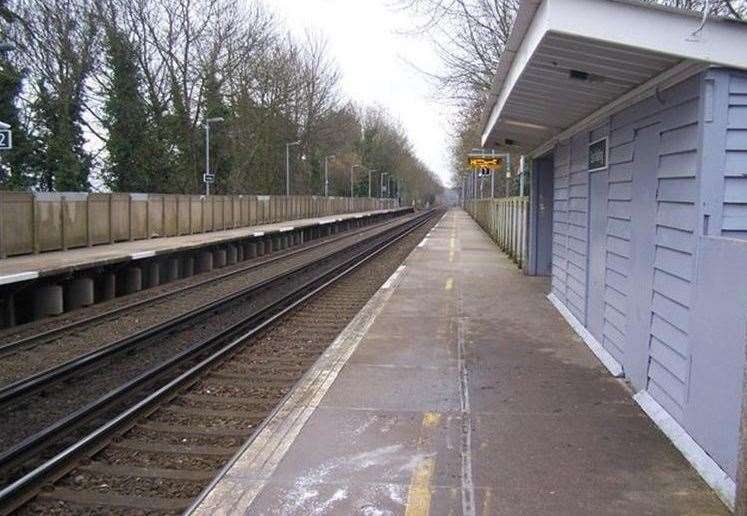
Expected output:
{"points": [[6, 139], [598, 151]]}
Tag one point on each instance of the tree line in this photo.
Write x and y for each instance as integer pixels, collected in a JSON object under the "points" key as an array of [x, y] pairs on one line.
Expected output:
{"points": [[114, 94]]}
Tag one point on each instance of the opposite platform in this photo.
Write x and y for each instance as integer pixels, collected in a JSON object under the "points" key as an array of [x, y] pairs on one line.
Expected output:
{"points": [[459, 389], [29, 267]]}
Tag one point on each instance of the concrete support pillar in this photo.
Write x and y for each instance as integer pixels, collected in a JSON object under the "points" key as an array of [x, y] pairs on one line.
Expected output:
{"points": [[48, 300], [78, 293], [107, 286], [172, 269], [219, 258], [231, 254], [188, 266], [251, 250], [260, 248], [300, 238], [240, 252], [286, 241], [276, 242], [205, 262], [153, 275], [133, 280]]}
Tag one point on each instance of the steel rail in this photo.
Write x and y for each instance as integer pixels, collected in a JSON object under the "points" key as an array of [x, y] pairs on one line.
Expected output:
{"points": [[46, 335], [12, 391], [17, 493]]}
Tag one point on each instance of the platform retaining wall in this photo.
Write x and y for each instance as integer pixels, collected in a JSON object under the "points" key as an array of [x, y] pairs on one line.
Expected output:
{"points": [[39, 222], [506, 221]]}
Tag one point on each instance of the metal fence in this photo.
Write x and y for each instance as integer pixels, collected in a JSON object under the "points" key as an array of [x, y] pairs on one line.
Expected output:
{"points": [[38, 222], [506, 220]]}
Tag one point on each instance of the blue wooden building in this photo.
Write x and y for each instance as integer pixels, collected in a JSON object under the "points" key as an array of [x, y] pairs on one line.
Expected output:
{"points": [[635, 117]]}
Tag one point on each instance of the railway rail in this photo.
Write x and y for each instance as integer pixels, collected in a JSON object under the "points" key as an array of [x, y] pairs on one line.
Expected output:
{"points": [[44, 409], [39, 333], [203, 402]]}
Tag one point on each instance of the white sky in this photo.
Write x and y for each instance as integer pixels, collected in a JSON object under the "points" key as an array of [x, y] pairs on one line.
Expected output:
{"points": [[365, 41]]}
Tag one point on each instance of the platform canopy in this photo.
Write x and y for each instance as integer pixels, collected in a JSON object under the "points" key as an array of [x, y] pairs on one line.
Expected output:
{"points": [[570, 63]]}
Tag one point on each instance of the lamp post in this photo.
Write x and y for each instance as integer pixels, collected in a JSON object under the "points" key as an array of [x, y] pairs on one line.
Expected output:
{"points": [[326, 174], [382, 186], [370, 171], [352, 171], [288, 166], [209, 178]]}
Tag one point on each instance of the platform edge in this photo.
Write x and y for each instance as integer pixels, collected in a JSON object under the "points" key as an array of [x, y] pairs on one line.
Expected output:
{"points": [[268, 446]]}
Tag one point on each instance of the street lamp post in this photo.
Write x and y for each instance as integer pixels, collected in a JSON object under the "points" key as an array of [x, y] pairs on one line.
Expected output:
{"points": [[208, 178], [352, 171], [326, 174], [288, 166], [370, 171]]}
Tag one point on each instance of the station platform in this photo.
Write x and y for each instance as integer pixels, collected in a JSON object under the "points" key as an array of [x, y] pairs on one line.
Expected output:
{"points": [[29, 267], [458, 389]]}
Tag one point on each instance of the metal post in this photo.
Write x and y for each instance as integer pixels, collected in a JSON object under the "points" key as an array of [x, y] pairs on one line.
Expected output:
{"points": [[369, 181], [287, 165], [381, 186], [207, 158], [492, 183], [326, 174], [287, 170]]}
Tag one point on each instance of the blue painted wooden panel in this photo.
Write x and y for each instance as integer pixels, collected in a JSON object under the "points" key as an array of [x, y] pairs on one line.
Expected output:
{"points": [[561, 164], [734, 221], [718, 340]]}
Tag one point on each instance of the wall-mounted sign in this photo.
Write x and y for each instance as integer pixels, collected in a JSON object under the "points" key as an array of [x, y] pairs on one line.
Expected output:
{"points": [[598, 151], [6, 139]]}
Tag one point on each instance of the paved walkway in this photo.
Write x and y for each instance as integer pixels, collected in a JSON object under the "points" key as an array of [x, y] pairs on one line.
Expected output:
{"points": [[459, 390], [27, 267]]}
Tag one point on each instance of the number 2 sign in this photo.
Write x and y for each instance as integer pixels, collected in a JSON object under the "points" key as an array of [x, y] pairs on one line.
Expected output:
{"points": [[6, 139]]}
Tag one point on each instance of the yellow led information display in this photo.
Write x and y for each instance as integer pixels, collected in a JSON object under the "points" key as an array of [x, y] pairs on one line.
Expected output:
{"points": [[485, 159]]}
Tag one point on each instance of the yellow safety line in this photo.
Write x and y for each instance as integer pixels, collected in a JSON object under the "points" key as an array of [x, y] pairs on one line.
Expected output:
{"points": [[419, 492]]}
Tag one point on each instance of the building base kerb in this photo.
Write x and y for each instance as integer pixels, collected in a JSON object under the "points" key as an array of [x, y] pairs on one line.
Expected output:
{"points": [[612, 365], [714, 476]]}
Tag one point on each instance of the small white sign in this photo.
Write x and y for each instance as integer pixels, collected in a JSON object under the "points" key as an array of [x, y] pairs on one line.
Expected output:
{"points": [[6, 139], [208, 178]]}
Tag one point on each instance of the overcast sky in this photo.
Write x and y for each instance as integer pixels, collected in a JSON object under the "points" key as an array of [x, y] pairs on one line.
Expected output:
{"points": [[365, 41]]}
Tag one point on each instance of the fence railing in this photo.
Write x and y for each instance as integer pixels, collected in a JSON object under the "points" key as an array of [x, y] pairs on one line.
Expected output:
{"points": [[506, 220], [38, 222]]}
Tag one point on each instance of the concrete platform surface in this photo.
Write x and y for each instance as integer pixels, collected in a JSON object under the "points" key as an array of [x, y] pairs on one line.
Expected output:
{"points": [[27, 267], [459, 389]]}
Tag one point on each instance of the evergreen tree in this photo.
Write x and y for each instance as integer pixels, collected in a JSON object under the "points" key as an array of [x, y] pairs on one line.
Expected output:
{"points": [[65, 163], [18, 166], [131, 156]]}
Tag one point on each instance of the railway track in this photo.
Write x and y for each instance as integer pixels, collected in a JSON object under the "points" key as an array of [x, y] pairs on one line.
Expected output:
{"points": [[199, 417], [46, 409], [40, 333]]}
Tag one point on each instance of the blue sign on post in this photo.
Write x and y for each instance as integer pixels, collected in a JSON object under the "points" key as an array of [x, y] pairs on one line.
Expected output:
{"points": [[6, 139]]}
